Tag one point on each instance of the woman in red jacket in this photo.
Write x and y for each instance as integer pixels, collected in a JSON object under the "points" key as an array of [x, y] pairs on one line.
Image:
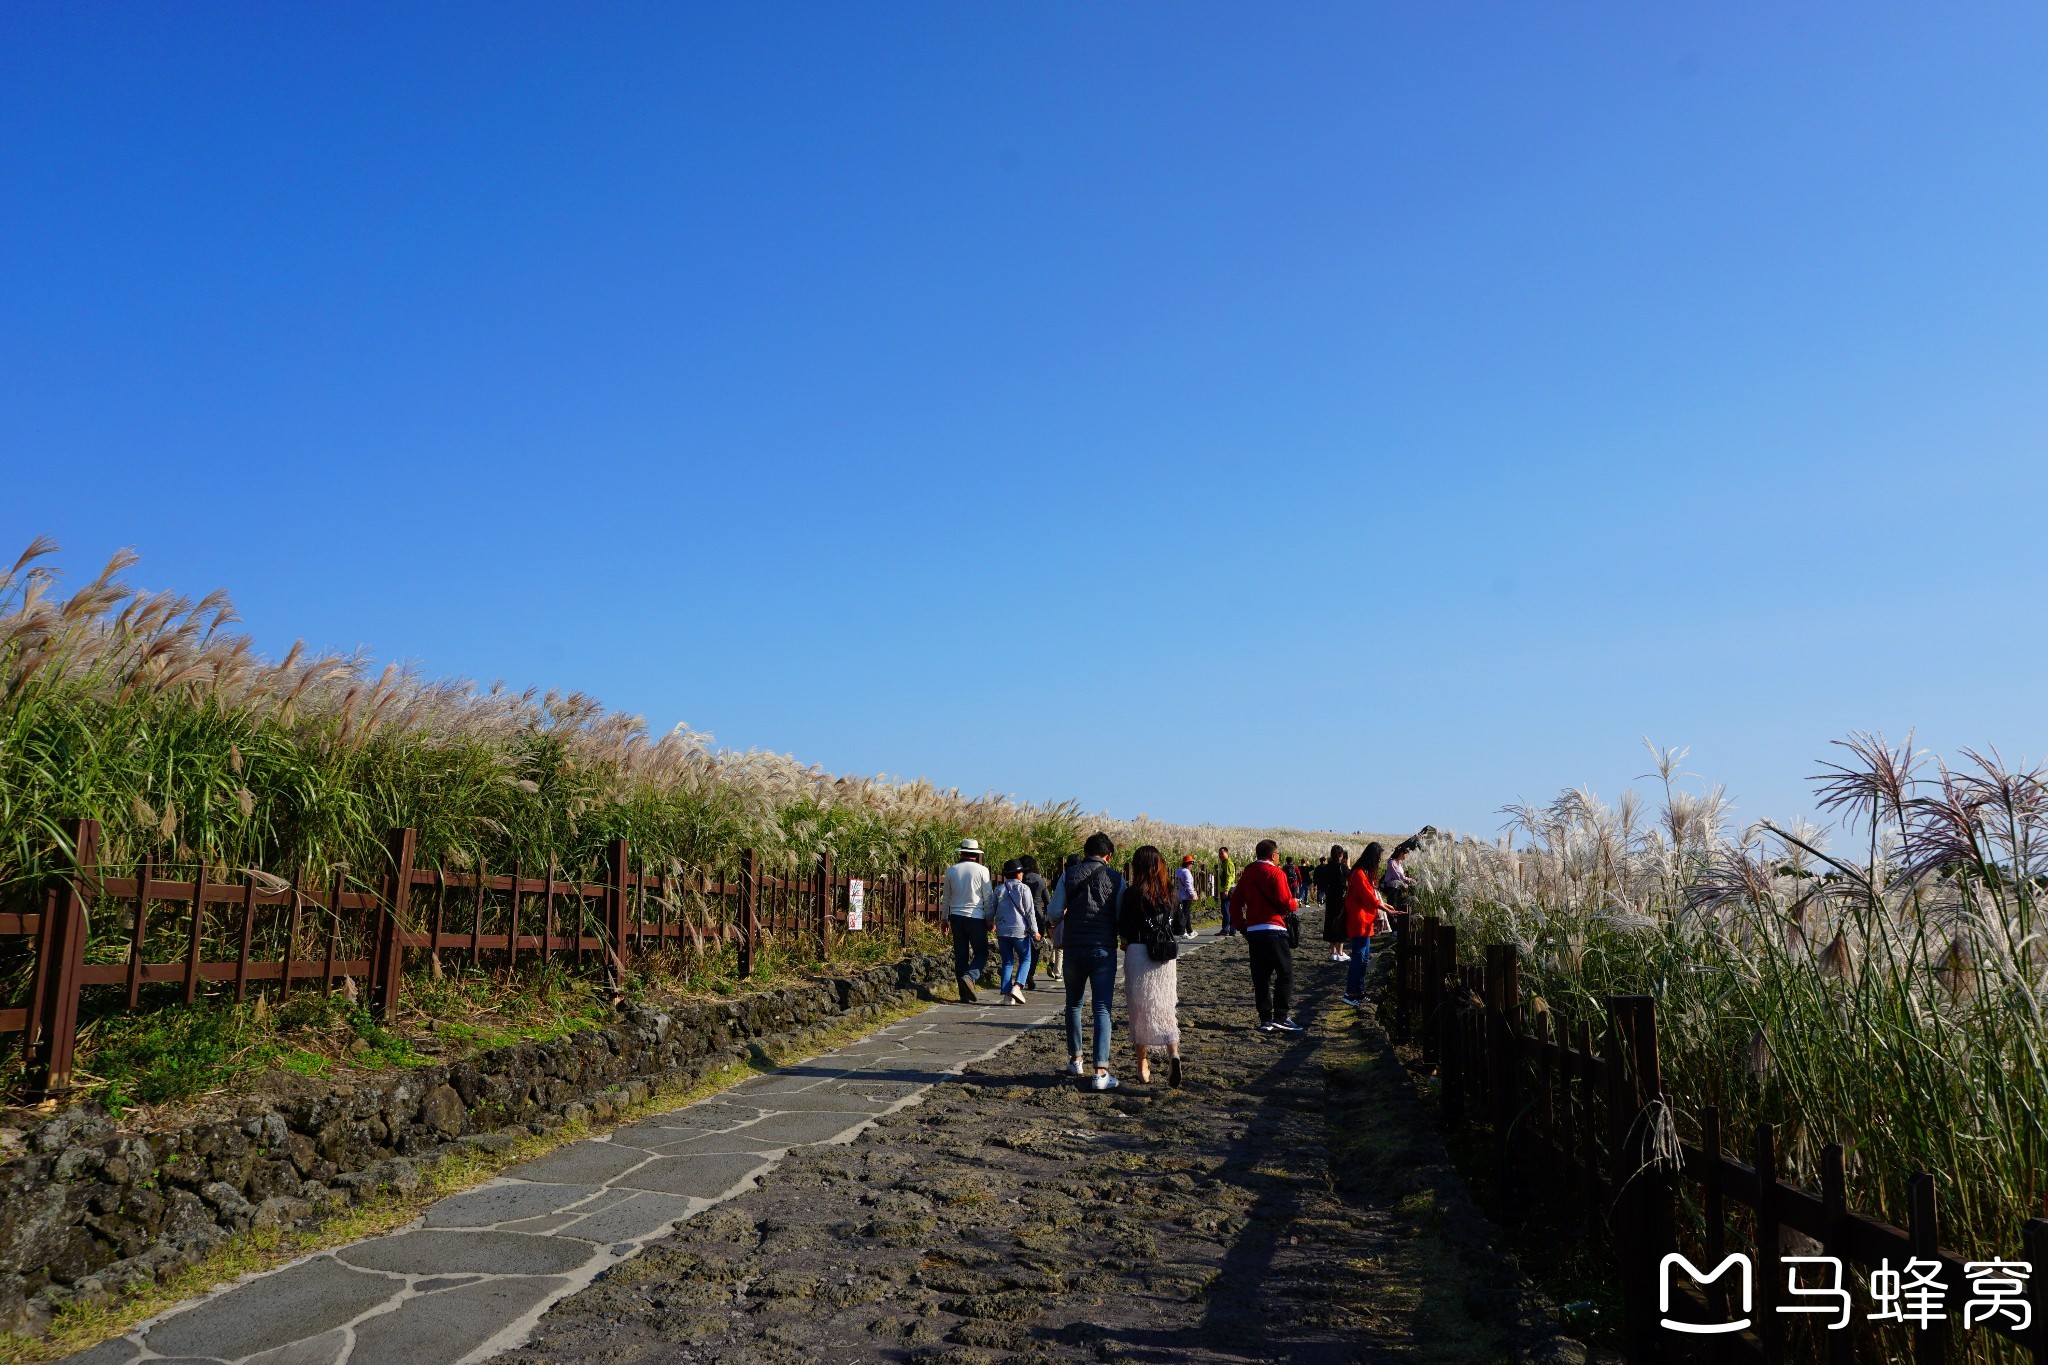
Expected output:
{"points": [[1365, 914]]}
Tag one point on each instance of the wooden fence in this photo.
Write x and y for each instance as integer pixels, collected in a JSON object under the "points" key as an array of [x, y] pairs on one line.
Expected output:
{"points": [[179, 926], [1589, 1117]]}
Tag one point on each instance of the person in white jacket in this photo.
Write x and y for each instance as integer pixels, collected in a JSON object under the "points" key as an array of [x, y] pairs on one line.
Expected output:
{"points": [[1016, 924], [969, 898], [1184, 897]]}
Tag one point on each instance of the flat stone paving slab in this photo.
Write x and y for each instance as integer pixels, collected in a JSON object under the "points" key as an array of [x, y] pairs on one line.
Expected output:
{"points": [[581, 1163], [505, 1200], [299, 1301], [452, 1324], [473, 1276], [708, 1175], [481, 1251], [634, 1219]]}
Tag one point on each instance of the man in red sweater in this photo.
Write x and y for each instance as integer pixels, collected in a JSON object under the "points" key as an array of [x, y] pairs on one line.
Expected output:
{"points": [[1260, 906]]}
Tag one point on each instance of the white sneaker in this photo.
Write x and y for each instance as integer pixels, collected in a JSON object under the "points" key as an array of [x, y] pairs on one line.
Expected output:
{"points": [[1351, 1001], [1074, 1068], [1289, 1026], [1269, 1028], [1104, 1081]]}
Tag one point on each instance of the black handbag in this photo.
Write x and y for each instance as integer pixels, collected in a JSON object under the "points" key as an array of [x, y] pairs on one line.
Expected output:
{"points": [[1293, 930], [1161, 943]]}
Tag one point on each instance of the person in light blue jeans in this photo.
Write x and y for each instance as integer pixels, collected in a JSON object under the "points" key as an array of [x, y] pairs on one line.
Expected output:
{"points": [[1364, 912], [1091, 970], [1016, 921], [1085, 903]]}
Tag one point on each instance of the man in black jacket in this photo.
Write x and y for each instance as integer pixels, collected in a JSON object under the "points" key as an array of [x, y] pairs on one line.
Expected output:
{"points": [[1085, 904]]}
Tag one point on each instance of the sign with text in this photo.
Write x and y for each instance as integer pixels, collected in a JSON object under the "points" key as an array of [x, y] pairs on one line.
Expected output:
{"points": [[856, 903]]}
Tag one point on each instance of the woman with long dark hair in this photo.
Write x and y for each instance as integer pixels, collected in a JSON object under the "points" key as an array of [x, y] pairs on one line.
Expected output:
{"points": [[1332, 880], [1365, 914], [1151, 975], [1395, 884]]}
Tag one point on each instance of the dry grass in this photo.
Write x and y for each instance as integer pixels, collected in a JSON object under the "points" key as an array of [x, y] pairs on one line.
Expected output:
{"points": [[1889, 994], [148, 712]]}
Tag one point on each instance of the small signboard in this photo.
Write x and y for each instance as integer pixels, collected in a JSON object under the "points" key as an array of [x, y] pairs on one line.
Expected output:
{"points": [[856, 903]]}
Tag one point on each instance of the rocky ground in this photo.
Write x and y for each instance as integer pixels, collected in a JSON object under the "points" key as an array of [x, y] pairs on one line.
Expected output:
{"points": [[1289, 1203]]}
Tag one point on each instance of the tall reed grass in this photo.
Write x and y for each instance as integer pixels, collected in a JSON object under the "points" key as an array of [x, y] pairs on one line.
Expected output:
{"points": [[1887, 994], [150, 713]]}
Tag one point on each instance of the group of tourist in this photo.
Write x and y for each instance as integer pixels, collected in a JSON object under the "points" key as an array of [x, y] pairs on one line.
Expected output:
{"points": [[1092, 919]]}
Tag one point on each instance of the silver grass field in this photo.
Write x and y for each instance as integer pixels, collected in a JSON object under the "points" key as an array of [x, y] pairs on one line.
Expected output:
{"points": [[148, 712], [1885, 992]]}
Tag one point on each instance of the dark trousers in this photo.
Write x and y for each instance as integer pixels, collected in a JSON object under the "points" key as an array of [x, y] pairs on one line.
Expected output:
{"points": [[1184, 918], [970, 946], [1272, 975]]}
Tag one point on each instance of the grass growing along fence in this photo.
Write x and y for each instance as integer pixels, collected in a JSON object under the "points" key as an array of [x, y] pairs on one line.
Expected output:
{"points": [[1890, 997], [167, 1056], [147, 712]]}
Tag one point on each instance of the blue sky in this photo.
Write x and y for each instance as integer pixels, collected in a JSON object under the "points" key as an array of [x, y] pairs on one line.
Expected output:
{"points": [[1349, 415]]}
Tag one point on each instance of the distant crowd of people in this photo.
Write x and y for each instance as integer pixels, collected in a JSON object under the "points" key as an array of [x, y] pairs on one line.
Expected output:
{"points": [[1093, 918]]}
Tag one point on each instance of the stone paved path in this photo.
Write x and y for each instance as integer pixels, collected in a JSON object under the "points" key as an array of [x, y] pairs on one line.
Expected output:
{"points": [[471, 1278], [1290, 1203]]}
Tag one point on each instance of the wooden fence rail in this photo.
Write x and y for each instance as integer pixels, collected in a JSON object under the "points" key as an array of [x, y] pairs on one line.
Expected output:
{"points": [[163, 925], [1592, 1118]]}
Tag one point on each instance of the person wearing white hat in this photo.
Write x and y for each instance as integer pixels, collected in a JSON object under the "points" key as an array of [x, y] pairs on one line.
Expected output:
{"points": [[970, 896]]}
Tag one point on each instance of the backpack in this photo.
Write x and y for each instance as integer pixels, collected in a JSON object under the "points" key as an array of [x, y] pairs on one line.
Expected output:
{"points": [[1161, 943]]}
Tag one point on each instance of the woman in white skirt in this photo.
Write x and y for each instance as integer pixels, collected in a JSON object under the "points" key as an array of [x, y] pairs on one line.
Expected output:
{"points": [[1151, 976]]}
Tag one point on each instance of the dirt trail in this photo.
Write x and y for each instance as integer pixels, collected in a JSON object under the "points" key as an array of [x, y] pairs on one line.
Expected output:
{"points": [[1290, 1203]]}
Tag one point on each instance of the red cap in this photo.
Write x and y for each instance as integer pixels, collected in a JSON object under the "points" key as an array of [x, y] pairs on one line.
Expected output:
{"points": [[1186, 858]]}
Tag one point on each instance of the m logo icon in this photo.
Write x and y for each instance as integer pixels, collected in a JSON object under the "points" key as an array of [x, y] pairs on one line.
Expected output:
{"points": [[1664, 1278]]}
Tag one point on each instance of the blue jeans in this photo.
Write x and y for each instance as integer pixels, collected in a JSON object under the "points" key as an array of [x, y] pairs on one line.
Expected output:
{"points": [[1091, 969], [1016, 961], [1361, 953]]}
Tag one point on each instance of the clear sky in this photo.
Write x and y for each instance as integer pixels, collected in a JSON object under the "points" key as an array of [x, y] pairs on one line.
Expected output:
{"points": [[1350, 415]]}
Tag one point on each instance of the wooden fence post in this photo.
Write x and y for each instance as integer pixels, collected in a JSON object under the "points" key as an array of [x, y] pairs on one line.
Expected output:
{"points": [[1546, 1092], [195, 938], [615, 910], [1432, 990], [1593, 1189], [1445, 1023], [1402, 953], [387, 954], [821, 895], [61, 962], [1643, 1196], [139, 933], [900, 894], [748, 891], [248, 934], [1930, 1344], [1503, 1004], [1770, 1328]]}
